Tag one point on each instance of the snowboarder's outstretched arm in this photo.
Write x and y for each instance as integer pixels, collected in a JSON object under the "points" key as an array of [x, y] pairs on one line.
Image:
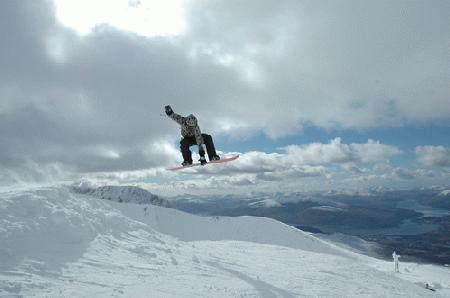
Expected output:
{"points": [[174, 116], [183, 122]]}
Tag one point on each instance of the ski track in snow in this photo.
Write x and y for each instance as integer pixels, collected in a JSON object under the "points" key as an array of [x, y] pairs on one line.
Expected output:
{"points": [[55, 243]]}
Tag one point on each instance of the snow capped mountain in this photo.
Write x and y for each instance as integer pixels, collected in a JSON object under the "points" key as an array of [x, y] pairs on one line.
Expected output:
{"points": [[122, 194], [60, 243], [327, 208], [445, 193], [267, 203]]}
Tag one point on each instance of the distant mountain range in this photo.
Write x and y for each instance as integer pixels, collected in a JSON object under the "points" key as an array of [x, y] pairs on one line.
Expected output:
{"points": [[334, 209], [441, 200], [378, 215], [414, 222]]}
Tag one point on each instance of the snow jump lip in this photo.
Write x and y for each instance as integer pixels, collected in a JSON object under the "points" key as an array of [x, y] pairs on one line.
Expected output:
{"points": [[234, 157]]}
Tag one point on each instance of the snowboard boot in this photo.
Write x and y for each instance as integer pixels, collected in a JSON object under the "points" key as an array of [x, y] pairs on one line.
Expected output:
{"points": [[186, 163]]}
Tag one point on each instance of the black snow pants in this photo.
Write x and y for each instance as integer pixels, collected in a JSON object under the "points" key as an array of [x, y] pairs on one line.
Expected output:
{"points": [[187, 142]]}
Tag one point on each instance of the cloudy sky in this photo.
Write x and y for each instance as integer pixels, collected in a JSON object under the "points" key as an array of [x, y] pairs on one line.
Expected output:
{"points": [[312, 94]]}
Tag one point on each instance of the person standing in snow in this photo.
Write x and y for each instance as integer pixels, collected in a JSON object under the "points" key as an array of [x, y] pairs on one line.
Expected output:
{"points": [[428, 287], [192, 135], [396, 257]]}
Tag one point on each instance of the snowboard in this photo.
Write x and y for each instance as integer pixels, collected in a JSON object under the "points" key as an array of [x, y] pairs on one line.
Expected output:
{"points": [[234, 157]]}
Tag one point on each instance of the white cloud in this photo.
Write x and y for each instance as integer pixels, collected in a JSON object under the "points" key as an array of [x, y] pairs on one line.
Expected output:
{"points": [[339, 153], [348, 64], [434, 156], [303, 160], [426, 173], [144, 17], [294, 173], [353, 169], [235, 180], [296, 162], [258, 67], [403, 174]]}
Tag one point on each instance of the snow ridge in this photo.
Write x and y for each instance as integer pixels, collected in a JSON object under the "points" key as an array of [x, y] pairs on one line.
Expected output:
{"points": [[122, 194]]}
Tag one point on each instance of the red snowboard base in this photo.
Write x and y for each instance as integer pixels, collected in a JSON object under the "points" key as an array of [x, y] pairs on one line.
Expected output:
{"points": [[234, 157]]}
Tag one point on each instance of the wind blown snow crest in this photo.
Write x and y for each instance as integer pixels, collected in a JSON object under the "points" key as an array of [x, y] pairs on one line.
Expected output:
{"points": [[122, 194]]}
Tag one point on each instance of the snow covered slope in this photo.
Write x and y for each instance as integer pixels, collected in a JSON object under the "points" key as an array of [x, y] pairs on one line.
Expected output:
{"points": [[122, 194], [188, 227], [56, 243]]}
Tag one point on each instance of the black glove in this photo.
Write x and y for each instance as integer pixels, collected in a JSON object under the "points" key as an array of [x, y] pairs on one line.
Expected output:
{"points": [[169, 110], [202, 160]]}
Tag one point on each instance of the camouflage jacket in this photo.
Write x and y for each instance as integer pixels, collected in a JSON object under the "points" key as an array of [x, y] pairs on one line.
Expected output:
{"points": [[188, 131]]}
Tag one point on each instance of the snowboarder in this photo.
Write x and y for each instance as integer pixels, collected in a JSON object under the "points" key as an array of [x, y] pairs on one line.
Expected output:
{"points": [[192, 135], [428, 287], [396, 257]]}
